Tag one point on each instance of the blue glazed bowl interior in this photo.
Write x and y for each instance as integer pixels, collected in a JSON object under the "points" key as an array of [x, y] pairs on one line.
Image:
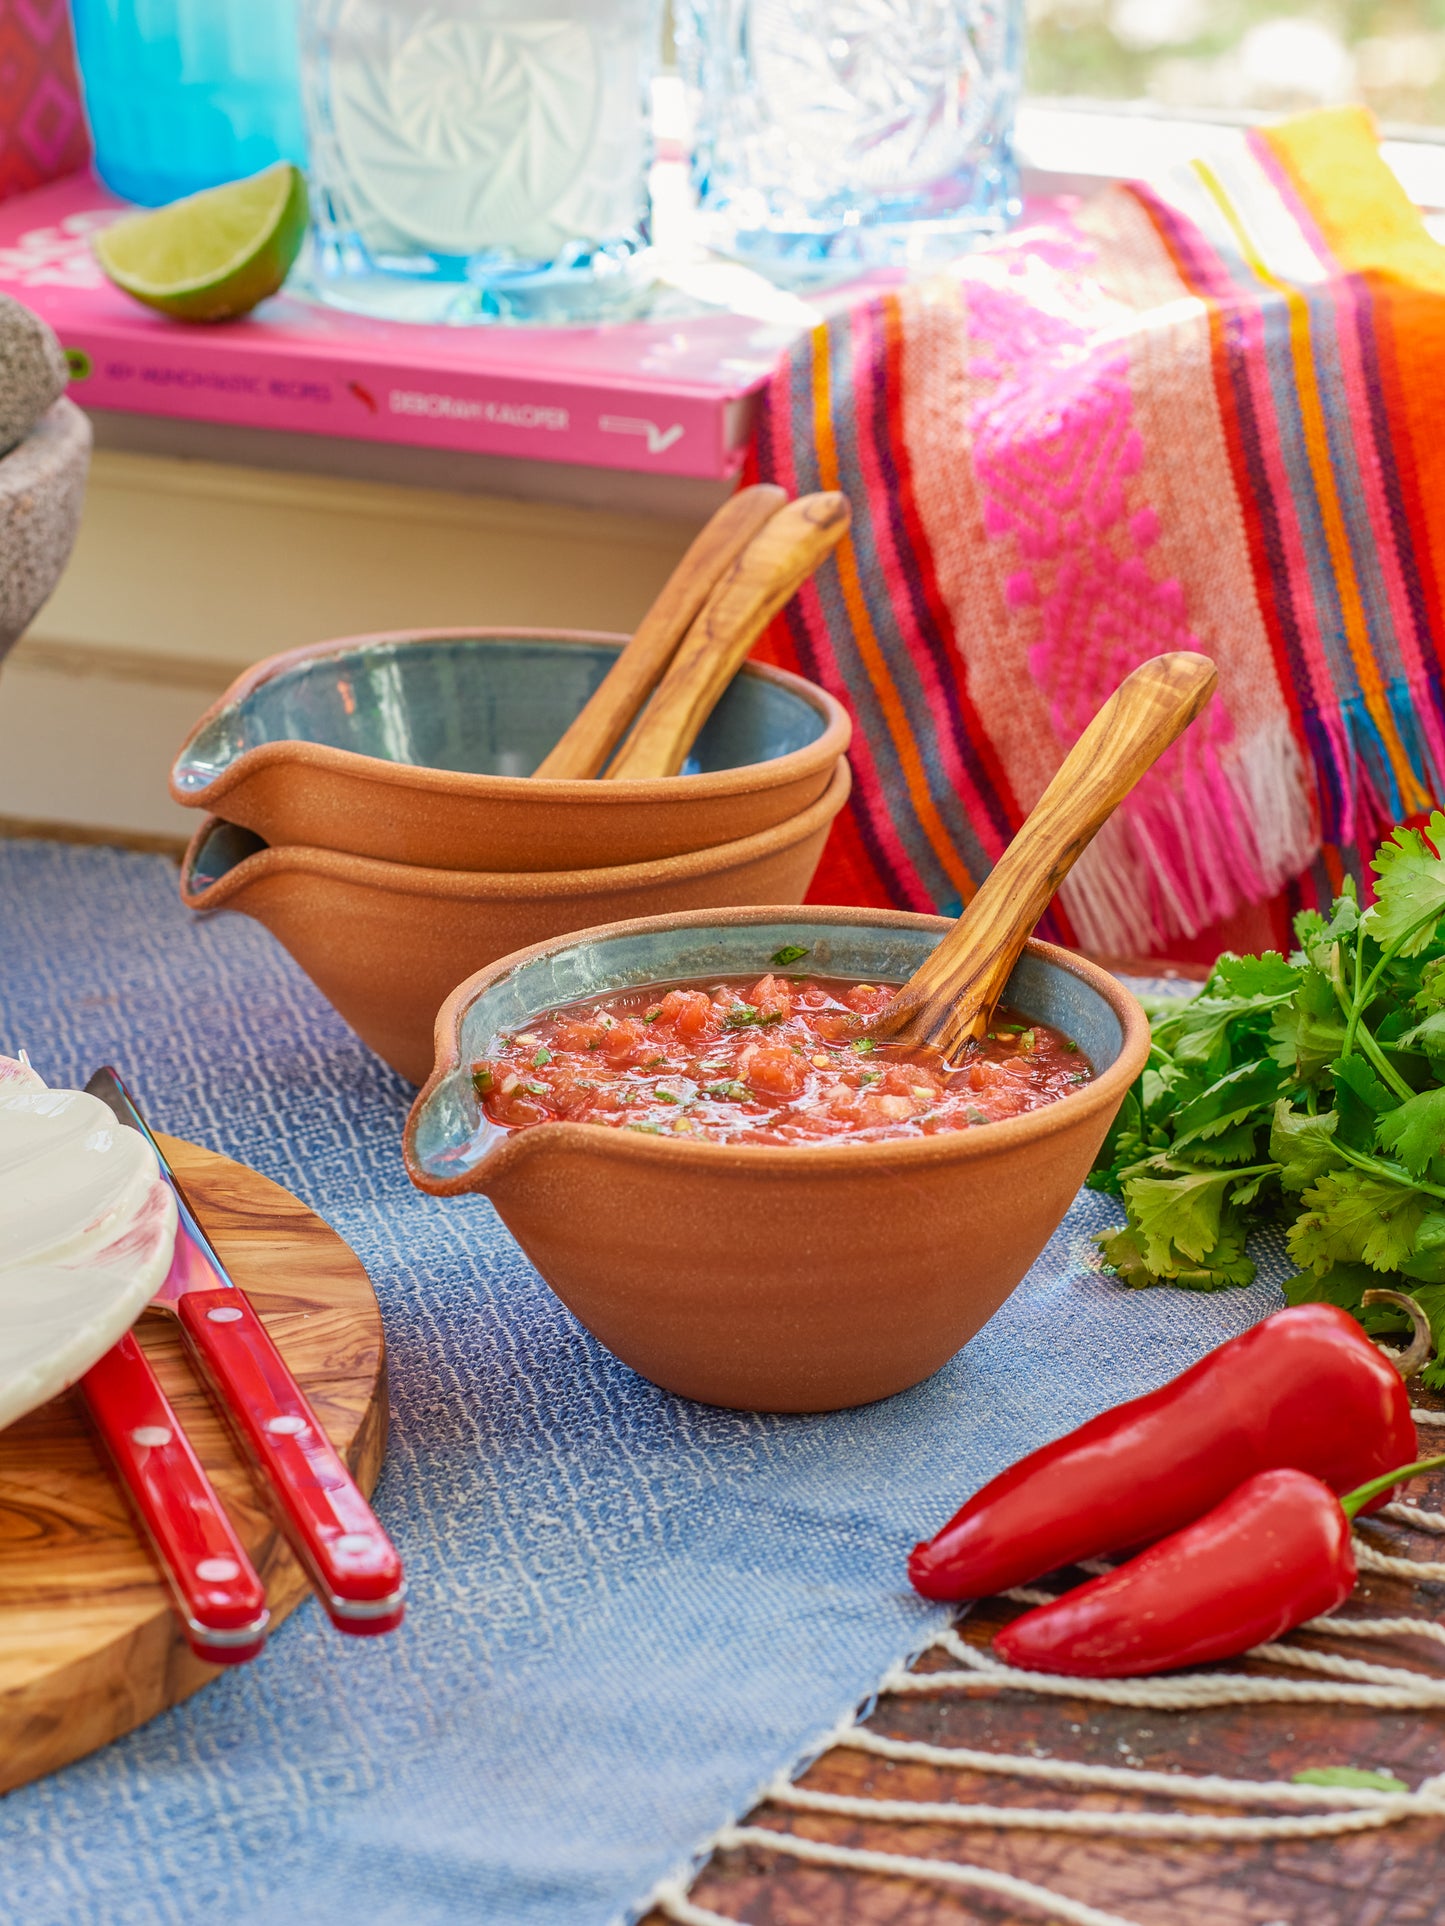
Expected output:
{"points": [[448, 1137], [474, 705]]}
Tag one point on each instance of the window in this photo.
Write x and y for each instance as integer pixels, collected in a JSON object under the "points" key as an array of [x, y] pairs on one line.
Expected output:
{"points": [[1245, 57]]}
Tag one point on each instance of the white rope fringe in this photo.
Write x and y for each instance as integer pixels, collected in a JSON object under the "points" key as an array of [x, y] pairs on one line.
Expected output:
{"points": [[1375, 1628], [671, 1898], [1418, 1570], [946, 1872], [1387, 1688], [1404, 1514], [1208, 1788], [1139, 1825]]}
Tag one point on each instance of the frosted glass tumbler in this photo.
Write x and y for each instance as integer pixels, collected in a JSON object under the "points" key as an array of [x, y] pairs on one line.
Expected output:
{"points": [[480, 159], [836, 135], [185, 94]]}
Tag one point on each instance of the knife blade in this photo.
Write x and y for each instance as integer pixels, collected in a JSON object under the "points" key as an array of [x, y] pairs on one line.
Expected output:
{"points": [[328, 1523]]}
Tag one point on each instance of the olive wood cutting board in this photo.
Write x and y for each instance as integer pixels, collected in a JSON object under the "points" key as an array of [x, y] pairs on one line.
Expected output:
{"points": [[89, 1647]]}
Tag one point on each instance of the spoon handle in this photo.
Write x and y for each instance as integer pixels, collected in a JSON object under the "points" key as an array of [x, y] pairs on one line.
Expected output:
{"points": [[590, 739], [768, 573], [950, 999]]}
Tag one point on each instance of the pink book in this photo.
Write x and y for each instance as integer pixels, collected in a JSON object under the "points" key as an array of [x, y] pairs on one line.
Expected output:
{"points": [[670, 397]]}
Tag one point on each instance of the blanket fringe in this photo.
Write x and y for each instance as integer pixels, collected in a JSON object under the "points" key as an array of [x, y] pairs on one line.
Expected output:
{"points": [[1184, 853]]}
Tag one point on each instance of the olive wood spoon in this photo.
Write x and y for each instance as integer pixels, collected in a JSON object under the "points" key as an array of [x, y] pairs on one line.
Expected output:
{"points": [[950, 998], [589, 740], [768, 573]]}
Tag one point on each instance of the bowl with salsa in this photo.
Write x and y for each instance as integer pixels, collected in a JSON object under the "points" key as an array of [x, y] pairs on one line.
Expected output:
{"points": [[734, 1190]]}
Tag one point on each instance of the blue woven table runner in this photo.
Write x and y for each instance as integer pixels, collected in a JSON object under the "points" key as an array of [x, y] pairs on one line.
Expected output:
{"points": [[627, 1611]]}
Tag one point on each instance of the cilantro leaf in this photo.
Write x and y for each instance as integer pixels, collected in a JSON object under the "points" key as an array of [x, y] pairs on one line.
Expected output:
{"points": [[1317, 936], [1233, 1099], [1308, 1033], [1226, 1268], [1427, 1036], [1246, 1192], [1237, 998], [1410, 893], [1233, 1145], [1123, 1145], [1360, 1101], [1352, 1217], [1430, 990], [1179, 1212], [1302, 1146], [1124, 1257], [1426, 1263], [1264, 978], [1350, 1776], [1415, 1132], [742, 1016]]}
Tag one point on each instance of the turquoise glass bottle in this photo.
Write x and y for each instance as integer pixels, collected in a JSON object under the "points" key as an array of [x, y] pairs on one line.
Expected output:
{"points": [[185, 94]]}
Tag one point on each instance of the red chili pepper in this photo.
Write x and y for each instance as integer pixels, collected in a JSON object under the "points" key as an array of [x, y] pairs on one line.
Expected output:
{"points": [[1305, 1389], [1276, 1552]]}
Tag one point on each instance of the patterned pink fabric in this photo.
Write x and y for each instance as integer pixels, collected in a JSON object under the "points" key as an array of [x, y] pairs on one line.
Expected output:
{"points": [[42, 127]]}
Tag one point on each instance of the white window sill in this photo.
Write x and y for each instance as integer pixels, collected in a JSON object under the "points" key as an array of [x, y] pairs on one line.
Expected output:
{"points": [[1072, 146]]}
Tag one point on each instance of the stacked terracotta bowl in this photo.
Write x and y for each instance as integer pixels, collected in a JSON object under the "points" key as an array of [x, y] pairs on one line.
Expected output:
{"points": [[371, 801]]}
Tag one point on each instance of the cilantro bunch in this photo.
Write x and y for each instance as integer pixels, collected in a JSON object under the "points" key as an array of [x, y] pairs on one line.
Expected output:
{"points": [[1309, 1093]]}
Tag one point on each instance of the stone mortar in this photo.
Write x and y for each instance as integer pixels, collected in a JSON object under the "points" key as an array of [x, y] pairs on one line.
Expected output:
{"points": [[33, 373], [42, 485]]}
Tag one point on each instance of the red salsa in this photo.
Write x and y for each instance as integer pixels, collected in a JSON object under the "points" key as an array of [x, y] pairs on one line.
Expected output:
{"points": [[776, 1061]]}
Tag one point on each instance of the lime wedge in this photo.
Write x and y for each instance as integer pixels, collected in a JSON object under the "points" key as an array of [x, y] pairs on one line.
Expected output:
{"points": [[213, 255]]}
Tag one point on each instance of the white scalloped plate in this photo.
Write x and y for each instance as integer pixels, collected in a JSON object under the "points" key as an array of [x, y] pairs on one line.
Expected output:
{"points": [[87, 1227]]}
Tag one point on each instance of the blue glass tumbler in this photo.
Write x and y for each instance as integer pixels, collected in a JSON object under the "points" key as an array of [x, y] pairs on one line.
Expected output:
{"points": [[186, 94], [833, 136]]}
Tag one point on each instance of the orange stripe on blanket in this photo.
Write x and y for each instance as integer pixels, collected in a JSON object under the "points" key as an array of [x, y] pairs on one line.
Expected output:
{"points": [[873, 656], [1373, 228], [1332, 519]]}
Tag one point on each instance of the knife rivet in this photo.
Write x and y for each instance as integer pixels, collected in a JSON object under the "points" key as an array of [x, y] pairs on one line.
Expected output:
{"points": [[351, 1544], [225, 1315], [286, 1427], [155, 1435], [216, 1571]]}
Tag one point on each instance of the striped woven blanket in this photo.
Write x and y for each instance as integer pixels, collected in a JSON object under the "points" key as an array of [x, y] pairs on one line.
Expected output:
{"points": [[1208, 415]]}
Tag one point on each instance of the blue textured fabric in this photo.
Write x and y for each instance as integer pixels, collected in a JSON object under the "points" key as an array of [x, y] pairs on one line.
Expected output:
{"points": [[627, 1611]]}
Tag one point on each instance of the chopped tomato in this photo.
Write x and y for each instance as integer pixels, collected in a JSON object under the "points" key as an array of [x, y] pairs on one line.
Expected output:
{"points": [[766, 1060], [690, 1013], [773, 997], [775, 1072], [866, 998], [623, 1043]]}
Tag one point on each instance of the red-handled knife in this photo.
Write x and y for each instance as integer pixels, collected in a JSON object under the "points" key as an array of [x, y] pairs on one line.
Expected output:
{"points": [[218, 1597], [329, 1524]]}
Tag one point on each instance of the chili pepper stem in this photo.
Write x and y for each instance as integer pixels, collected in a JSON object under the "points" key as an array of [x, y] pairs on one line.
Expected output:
{"points": [[1422, 1341], [1355, 1501]]}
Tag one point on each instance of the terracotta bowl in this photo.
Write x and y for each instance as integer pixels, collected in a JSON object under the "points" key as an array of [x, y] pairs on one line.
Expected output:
{"points": [[418, 748], [766, 1277], [386, 942]]}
